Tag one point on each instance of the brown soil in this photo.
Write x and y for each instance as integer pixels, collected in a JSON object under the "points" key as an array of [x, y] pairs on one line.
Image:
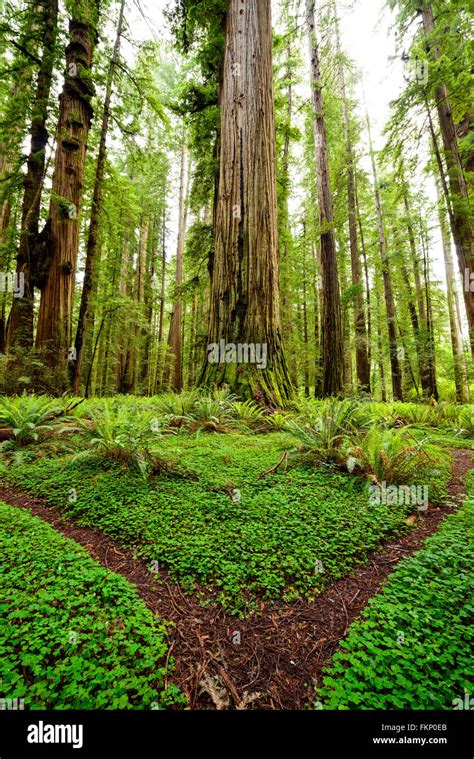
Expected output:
{"points": [[271, 659]]}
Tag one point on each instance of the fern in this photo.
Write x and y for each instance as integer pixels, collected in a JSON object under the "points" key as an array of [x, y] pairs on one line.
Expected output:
{"points": [[388, 456], [32, 419]]}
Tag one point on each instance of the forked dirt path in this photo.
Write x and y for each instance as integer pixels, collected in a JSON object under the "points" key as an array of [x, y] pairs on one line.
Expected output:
{"points": [[269, 660]]}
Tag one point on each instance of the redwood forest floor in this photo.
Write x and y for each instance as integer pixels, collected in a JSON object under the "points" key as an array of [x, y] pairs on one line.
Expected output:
{"points": [[247, 568]]}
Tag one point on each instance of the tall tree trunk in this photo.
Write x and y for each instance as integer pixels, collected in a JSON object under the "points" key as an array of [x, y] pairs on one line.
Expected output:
{"points": [[317, 329], [331, 321], [423, 369], [431, 358], [124, 341], [461, 226], [346, 332], [383, 387], [414, 257], [366, 280], [92, 249], [360, 329], [387, 281], [283, 218], [460, 373], [14, 121], [192, 344], [137, 329], [420, 331], [20, 322], [305, 330], [161, 315], [146, 353], [173, 375], [53, 336], [407, 362], [245, 306]]}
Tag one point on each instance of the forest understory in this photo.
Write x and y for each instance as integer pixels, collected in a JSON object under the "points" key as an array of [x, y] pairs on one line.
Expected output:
{"points": [[236, 355]]}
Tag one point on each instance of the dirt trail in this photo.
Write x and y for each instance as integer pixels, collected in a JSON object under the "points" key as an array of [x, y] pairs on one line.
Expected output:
{"points": [[266, 661]]}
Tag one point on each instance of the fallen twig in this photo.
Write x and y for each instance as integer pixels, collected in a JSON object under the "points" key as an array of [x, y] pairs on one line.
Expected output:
{"points": [[284, 458]]}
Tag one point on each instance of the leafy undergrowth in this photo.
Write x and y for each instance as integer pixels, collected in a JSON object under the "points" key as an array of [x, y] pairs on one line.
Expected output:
{"points": [[413, 647], [74, 635], [243, 538]]}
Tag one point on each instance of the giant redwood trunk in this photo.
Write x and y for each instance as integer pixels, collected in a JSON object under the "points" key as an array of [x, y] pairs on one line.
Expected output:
{"points": [[20, 322], [53, 337], [461, 225], [331, 323], [14, 118], [244, 308], [459, 365], [283, 215]]}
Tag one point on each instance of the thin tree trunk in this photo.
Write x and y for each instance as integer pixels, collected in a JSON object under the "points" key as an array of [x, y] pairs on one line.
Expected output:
{"points": [[407, 362], [331, 321], [305, 331], [317, 330], [124, 336], [362, 359], [346, 332], [383, 387], [366, 280], [160, 357], [92, 250], [140, 296], [420, 331], [421, 357], [192, 344], [146, 358], [387, 282], [174, 369], [431, 358], [414, 256]]}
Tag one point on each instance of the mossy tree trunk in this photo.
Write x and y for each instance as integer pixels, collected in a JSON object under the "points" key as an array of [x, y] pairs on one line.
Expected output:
{"points": [[245, 306], [20, 321], [461, 226], [459, 363], [61, 238]]}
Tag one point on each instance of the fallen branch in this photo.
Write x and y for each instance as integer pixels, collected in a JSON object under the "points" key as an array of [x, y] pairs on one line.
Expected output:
{"points": [[284, 458]]}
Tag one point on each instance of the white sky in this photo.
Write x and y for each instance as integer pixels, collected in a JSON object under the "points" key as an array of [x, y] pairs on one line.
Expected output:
{"points": [[366, 38]]}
